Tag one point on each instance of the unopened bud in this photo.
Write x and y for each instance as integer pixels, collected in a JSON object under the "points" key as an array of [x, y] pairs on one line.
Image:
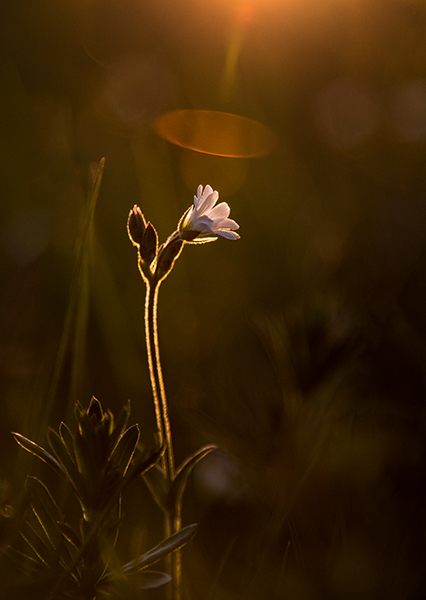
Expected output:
{"points": [[136, 226], [166, 258], [149, 245]]}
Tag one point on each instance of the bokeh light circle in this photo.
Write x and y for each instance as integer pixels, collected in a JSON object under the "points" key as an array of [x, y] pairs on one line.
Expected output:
{"points": [[217, 133]]}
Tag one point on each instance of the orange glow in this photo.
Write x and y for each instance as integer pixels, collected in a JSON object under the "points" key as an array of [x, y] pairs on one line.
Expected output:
{"points": [[217, 133]]}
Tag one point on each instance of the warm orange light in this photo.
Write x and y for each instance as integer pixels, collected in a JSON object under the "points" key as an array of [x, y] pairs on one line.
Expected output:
{"points": [[217, 133]]}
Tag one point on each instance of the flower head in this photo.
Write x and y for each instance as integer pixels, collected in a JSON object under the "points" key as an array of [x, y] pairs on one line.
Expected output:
{"points": [[204, 221]]}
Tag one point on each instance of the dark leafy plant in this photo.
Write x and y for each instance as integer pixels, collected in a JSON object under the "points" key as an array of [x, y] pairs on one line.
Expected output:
{"points": [[97, 464]]}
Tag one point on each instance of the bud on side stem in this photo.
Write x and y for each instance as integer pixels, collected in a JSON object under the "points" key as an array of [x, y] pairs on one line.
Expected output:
{"points": [[148, 247], [136, 226], [167, 255]]}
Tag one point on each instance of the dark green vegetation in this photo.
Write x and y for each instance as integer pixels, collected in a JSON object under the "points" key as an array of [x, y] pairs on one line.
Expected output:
{"points": [[56, 558]]}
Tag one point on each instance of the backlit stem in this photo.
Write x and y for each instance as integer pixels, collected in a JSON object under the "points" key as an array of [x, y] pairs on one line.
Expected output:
{"points": [[156, 375], [172, 520]]}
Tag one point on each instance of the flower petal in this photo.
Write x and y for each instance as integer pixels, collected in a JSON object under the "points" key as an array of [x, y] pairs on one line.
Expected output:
{"points": [[204, 220], [207, 202], [198, 196], [230, 235], [203, 223], [187, 219], [221, 211], [228, 224]]}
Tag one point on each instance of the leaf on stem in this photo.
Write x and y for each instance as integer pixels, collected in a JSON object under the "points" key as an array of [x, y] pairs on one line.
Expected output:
{"points": [[87, 466], [70, 535], [125, 448], [120, 426], [67, 439], [40, 452], [141, 465], [63, 454], [45, 510], [170, 544], [148, 580], [179, 482]]}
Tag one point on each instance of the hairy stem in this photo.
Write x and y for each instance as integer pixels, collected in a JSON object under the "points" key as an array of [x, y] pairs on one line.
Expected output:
{"points": [[150, 338], [156, 374], [172, 521]]}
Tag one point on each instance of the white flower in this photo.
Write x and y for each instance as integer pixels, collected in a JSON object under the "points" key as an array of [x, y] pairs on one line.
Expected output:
{"points": [[204, 221]]}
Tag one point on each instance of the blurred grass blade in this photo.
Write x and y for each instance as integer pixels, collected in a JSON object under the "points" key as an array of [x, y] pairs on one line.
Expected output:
{"points": [[77, 311]]}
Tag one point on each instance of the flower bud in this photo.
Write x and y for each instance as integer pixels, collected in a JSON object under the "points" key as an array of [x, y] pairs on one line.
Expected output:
{"points": [[166, 258], [149, 245], [136, 226]]}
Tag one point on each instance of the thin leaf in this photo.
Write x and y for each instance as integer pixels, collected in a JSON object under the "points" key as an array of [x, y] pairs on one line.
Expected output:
{"points": [[120, 426], [78, 411], [95, 409], [67, 439], [179, 483], [70, 535], [68, 465], [125, 448], [148, 580], [86, 463], [46, 513], [46, 520], [170, 544], [38, 546], [41, 497], [39, 452], [88, 469], [110, 481], [19, 559], [141, 465], [86, 429]]}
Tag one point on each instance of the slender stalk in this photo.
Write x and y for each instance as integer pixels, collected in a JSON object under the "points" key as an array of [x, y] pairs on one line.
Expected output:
{"points": [[150, 345], [177, 556], [156, 375], [162, 390], [172, 518]]}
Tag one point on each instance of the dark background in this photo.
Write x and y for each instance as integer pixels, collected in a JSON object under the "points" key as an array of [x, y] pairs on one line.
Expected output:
{"points": [[300, 349]]}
